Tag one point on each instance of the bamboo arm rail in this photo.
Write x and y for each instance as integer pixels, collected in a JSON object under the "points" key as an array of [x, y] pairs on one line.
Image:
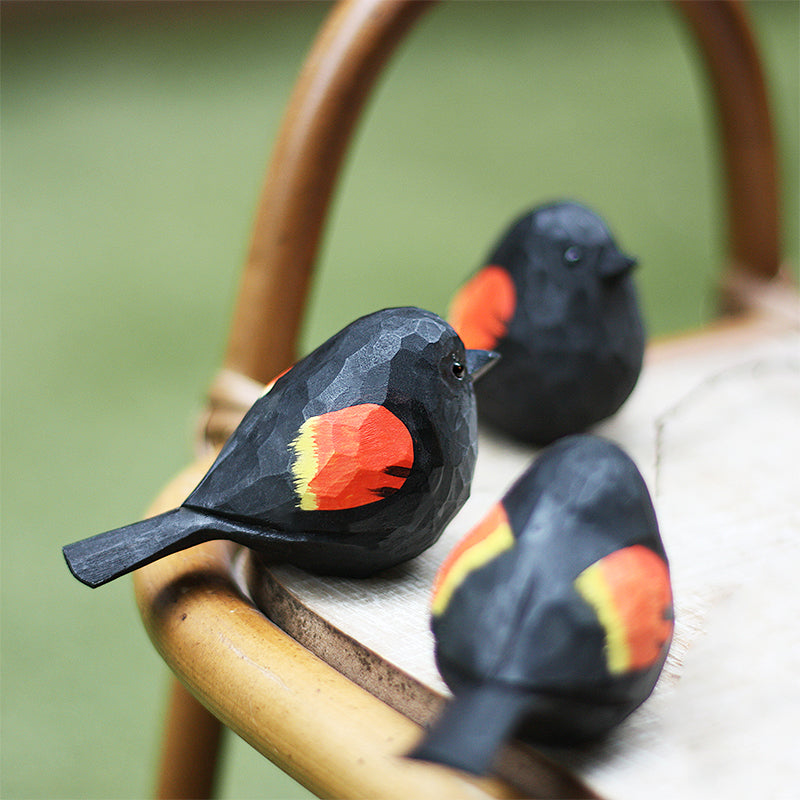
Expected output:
{"points": [[747, 142], [347, 57], [315, 724]]}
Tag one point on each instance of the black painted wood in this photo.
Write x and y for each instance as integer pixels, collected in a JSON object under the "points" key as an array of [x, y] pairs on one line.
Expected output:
{"points": [[354, 461]]}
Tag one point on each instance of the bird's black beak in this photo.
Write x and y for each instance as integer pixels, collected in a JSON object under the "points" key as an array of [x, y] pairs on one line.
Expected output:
{"points": [[479, 362], [616, 264]]}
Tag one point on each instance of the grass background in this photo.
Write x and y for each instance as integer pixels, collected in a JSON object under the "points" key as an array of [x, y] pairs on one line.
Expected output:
{"points": [[134, 139]]}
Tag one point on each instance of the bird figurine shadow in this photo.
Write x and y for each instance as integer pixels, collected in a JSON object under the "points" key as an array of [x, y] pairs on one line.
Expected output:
{"points": [[557, 300], [553, 616], [354, 461]]}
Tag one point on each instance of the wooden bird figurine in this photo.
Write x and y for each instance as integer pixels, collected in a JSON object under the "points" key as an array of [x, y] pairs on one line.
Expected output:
{"points": [[557, 300], [355, 460], [553, 616]]}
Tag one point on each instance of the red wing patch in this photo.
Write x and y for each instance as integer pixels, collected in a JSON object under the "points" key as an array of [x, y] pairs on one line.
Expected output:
{"points": [[482, 308], [269, 386], [351, 457], [630, 592]]}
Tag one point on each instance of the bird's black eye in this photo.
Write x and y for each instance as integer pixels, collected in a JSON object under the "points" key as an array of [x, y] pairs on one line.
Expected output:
{"points": [[572, 255], [459, 370]]}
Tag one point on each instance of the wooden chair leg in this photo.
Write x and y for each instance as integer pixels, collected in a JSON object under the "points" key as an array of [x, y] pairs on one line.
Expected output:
{"points": [[190, 748]]}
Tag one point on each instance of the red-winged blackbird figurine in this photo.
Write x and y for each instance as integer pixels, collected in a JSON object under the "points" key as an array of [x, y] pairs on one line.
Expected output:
{"points": [[556, 299], [354, 461], [553, 616]]}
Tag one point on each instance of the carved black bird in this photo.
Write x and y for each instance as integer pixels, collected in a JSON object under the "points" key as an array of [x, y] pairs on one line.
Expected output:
{"points": [[557, 300], [553, 617], [355, 460]]}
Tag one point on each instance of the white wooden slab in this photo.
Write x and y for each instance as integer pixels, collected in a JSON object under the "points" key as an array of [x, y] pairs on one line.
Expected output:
{"points": [[714, 425]]}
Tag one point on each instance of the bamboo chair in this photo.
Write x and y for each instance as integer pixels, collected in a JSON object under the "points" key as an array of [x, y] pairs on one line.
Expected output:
{"points": [[327, 704]]}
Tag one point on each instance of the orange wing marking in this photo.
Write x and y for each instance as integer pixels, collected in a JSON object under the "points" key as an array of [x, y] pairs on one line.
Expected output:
{"points": [[483, 307], [351, 457], [630, 592]]}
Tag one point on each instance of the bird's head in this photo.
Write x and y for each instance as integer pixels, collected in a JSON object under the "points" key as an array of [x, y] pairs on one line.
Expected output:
{"points": [[421, 352], [568, 237], [396, 352]]}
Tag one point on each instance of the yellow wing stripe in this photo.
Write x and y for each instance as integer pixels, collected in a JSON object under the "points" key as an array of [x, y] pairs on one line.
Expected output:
{"points": [[484, 550], [593, 587], [305, 466]]}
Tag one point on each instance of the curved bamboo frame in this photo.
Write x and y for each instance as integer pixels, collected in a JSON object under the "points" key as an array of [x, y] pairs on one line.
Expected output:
{"points": [[290, 706], [348, 56]]}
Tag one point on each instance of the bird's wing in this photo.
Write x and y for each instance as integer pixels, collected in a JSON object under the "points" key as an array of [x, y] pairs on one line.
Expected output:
{"points": [[333, 461]]}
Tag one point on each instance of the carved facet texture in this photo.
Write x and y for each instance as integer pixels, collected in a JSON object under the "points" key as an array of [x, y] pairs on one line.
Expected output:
{"points": [[355, 460], [557, 300]]}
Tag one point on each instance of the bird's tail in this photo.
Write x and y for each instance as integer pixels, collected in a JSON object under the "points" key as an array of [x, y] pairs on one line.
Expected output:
{"points": [[470, 730], [99, 559]]}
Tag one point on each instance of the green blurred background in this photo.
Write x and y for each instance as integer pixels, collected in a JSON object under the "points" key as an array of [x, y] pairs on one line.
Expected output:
{"points": [[134, 139]]}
